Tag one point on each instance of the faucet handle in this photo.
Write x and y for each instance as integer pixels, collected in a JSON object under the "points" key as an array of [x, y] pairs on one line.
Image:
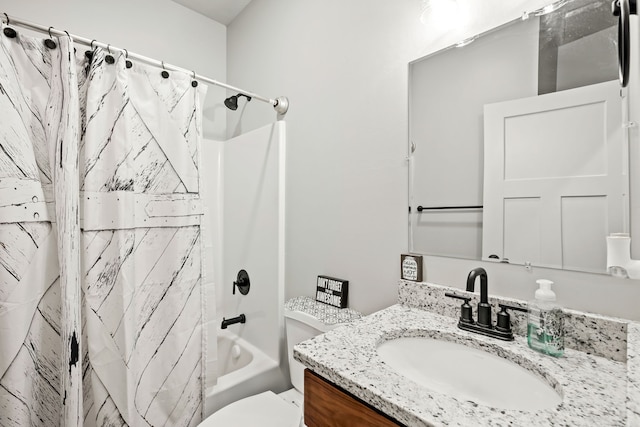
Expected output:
{"points": [[466, 311], [504, 319], [513, 307]]}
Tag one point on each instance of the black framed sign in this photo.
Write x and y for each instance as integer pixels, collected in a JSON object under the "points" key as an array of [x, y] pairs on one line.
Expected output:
{"points": [[332, 291], [411, 267]]}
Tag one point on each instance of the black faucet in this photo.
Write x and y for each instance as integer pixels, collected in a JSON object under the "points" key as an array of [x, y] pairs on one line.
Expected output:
{"points": [[484, 308], [227, 322], [484, 325]]}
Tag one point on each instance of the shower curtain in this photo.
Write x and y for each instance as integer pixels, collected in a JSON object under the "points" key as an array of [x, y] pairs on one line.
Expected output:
{"points": [[101, 297]]}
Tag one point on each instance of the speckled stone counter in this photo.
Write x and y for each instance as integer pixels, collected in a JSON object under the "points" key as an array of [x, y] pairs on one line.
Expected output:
{"points": [[596, 390], [591, 333], [325, 313], [633, 375]]}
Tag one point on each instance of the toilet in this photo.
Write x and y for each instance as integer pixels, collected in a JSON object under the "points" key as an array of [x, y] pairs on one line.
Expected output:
{"points": [[304, 318]]}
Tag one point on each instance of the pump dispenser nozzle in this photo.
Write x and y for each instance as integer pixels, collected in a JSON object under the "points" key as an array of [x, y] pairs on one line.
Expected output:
{"points": [[544, 292]]}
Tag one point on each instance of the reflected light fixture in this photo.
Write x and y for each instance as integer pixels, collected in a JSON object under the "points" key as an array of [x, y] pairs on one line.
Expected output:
{"points": [[550, 8], [545, 10], [445, 14], [466, 42]]}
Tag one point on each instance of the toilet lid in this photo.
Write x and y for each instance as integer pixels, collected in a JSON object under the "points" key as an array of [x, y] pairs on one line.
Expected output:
{"points": [[261, 410]]}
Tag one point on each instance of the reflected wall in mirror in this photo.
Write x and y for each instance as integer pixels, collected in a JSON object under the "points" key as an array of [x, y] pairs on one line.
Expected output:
{"points": [[517, 143]]}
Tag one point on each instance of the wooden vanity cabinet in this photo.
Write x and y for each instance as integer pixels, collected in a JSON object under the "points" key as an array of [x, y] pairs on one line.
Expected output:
{"points": [[327, 405]]}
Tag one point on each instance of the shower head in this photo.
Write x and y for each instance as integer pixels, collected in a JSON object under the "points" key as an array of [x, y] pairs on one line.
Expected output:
{"points": [[232, 102]]}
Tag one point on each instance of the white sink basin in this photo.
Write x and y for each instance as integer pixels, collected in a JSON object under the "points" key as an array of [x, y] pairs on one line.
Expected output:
{"points": [[467, 373]]}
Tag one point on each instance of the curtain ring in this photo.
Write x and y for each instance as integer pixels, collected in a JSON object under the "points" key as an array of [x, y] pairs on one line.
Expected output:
{"points": [[7, 16], [67, 34], [164, 73], [91, 45], [50, 36], [127, 63], [109, 59], [194, 82]]}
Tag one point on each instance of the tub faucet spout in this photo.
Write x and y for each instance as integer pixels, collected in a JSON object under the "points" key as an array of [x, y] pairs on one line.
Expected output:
{"points": [[227, 322]]}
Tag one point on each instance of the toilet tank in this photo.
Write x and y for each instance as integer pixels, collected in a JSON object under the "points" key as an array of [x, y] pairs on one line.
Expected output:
{"points": [[300, 327]]}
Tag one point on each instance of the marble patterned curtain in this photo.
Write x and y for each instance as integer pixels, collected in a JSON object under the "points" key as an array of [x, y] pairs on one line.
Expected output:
{"points": [[101, 296]]}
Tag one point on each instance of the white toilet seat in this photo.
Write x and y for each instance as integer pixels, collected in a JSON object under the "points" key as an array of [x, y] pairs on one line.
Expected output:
{"points": [[261, 410], [292, 396]]}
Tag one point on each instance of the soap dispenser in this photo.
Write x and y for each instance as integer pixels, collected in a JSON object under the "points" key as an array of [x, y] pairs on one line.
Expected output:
{"points": [[545, 326]]}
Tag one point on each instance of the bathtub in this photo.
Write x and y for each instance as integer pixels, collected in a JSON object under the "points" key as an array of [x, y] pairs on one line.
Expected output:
{"points": [[243, 370]]}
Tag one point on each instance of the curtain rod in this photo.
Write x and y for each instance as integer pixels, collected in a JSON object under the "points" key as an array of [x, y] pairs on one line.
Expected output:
{"points": [[280, 104]]}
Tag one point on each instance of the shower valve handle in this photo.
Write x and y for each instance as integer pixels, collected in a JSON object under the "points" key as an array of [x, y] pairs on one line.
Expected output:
{"points": [[242, 283]]}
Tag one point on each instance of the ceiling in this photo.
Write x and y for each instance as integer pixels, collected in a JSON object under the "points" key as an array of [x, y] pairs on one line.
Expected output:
{"points": [[223, 11]]}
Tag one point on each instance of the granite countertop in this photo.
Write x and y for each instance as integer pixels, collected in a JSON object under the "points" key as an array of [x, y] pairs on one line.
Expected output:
{"points": [[633, 375], [596, 390]]}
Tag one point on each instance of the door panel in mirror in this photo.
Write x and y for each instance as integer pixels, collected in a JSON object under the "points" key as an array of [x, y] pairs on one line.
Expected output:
{"points": [[553, 148]]}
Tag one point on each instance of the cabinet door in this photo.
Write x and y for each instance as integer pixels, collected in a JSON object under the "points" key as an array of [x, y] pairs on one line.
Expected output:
{"points": [[325, 405], [555, 182]]}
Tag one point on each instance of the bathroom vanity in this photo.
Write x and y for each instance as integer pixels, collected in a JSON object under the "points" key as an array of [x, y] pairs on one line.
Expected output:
{"points": [[597, 380], [326, 404]]}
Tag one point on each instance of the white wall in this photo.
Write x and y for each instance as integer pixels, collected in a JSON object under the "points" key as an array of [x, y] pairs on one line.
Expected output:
{"points": [[159, 29], [343, 64]]}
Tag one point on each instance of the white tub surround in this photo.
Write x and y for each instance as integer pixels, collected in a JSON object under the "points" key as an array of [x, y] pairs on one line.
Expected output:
{"points": [[248, 230], [244, 370], [597, 389]]}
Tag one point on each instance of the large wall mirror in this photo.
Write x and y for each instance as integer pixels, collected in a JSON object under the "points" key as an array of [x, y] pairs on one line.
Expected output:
{"points": [[519, 150]]}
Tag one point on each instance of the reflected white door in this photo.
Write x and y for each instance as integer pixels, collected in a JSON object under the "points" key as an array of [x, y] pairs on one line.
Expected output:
{"points": [[554, 177]]}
